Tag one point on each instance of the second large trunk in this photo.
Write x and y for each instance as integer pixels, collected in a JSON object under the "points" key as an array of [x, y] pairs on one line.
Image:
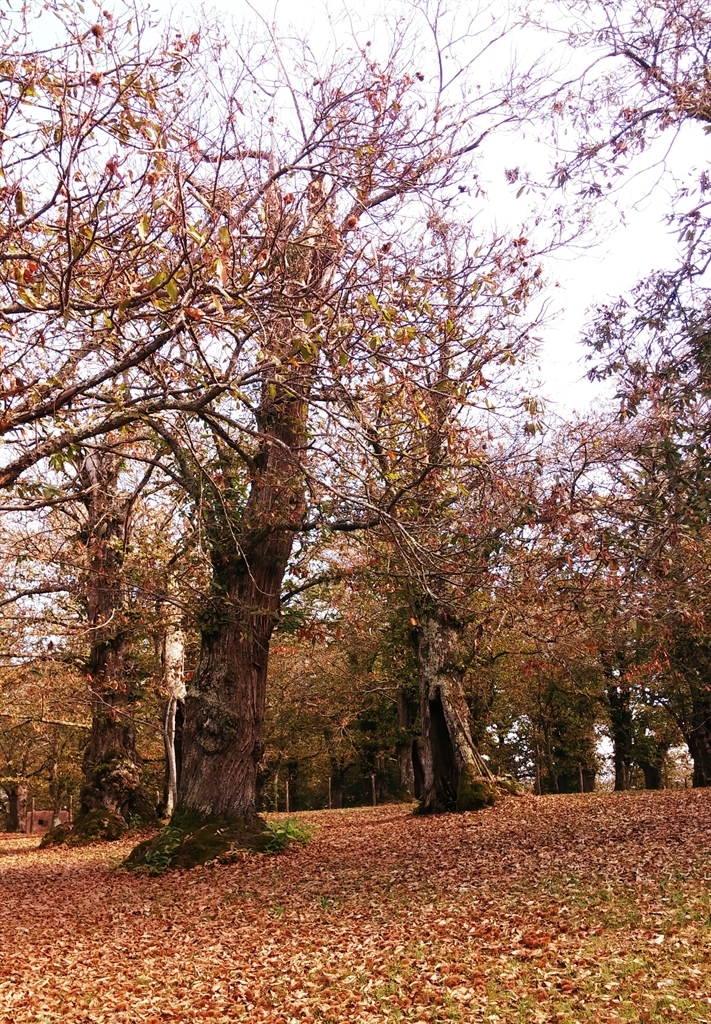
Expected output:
{"points": [[454, 777]]}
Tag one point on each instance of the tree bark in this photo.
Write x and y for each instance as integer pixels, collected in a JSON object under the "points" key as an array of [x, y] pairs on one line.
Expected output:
{"points": [[698, 736], [225, 702], [691, 706], [618, 695], [17, 806], [173, 659], [55, 792], [653, 778], [454, 776], [405, 747], [111, 766], [224, 706], [339, 768], [251, 543]]}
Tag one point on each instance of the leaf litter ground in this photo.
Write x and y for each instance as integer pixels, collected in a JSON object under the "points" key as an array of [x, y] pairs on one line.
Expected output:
{"points": [[569, 908]]}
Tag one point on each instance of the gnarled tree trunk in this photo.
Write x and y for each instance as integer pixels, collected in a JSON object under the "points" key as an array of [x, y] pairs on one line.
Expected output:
{"points": [[225, 701], [251, 545]]}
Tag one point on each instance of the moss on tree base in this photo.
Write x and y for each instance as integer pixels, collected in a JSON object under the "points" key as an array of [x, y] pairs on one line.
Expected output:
{"points": [[95, 827], [191, 839], [115, 783], [473, 794]]}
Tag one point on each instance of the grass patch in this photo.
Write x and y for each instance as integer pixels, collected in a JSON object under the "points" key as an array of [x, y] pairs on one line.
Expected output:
{"points": [[283, 834]]}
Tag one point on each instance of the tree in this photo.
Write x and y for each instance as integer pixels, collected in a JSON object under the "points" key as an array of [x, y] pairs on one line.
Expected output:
{"points": [[271, 264]]}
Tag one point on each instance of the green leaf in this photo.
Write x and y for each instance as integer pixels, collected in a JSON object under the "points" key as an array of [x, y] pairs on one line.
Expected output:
{"points": [[156, 281], [144, 227]]}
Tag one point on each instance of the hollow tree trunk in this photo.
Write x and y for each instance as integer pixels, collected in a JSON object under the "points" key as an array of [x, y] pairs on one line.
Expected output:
{"points": [[453, 774], [621, 726], [17, 806]]}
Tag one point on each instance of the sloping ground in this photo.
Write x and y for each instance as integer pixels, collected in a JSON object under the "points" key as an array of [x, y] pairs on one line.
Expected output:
{"points": [[582, 908]]}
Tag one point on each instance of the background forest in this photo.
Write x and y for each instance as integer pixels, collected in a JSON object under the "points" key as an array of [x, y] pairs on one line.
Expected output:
{"points": [[286, 522]]}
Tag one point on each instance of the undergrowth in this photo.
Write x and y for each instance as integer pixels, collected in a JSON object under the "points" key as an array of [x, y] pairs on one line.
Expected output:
{"points": [[283, 833]]}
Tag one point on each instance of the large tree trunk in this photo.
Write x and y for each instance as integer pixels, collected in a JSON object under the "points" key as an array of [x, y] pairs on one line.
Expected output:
{"points": [[111, 770], [405, 747], [454, 775], [226, 699], [650, 756], [691, 659], [225, 702], [17, 809], [653, 778], [698, 736], [111, 766], [250, 548], [621, 727]]}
